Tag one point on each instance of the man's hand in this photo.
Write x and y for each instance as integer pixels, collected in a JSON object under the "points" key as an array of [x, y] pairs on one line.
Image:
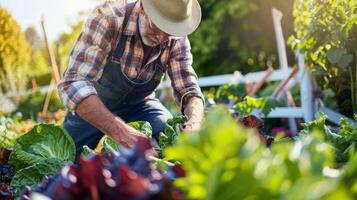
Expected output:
{"points": [[126, 135], [94, 111], [194, 110]]}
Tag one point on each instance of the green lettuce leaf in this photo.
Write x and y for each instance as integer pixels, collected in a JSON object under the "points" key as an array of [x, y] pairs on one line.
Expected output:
{"points": [[32, 175], [43, 142], [40, 152], [143, 127]]}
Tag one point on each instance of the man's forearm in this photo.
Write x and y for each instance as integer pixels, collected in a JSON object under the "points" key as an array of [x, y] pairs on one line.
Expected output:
{"points": [[94, 111], [194, 109]]}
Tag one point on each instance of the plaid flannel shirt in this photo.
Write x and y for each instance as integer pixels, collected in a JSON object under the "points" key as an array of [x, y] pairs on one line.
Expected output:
{"points": [[100, 36]]}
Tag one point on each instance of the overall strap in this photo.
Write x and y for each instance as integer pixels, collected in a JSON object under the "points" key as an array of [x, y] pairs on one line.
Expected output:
{"points": [[119, 49]]}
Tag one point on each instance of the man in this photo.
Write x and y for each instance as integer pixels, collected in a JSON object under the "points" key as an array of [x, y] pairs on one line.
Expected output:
{"points": [[117, 63]]}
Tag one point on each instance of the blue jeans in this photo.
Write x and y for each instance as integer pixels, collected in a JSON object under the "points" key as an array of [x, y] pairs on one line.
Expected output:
{"points": [[150, 110]]}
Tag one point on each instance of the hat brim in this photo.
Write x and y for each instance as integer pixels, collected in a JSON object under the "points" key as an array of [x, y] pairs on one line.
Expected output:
{"points": [[173, 27]]}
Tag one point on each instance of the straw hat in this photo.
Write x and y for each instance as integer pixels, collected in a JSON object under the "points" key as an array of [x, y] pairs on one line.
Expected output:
{"points": [[175, 17]]}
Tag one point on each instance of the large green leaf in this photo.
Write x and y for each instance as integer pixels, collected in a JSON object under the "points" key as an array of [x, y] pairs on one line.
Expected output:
{"points": [[43, 142], [32, 175]]}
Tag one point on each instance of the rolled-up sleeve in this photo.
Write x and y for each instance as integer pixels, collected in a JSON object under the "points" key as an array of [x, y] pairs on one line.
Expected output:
{"points": [[182, 75], [87, 58]]}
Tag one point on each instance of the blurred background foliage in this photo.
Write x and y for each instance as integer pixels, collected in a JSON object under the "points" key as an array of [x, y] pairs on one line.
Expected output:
{"points": [[15, 53], [238, 35], [326, 32]]}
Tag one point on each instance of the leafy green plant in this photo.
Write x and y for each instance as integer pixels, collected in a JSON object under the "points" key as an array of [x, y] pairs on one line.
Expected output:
{"points": [[42, 151], [264, 104], [143, 127], [244, 105], [326, 32], [344, 141], [33, 174], [166, 138], [15, 54], [7, 137], [225, 161], [171, 132], [107, 144], [231, 92]]}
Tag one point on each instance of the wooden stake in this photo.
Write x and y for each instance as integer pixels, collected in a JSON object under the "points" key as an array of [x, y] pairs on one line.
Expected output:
{"points": [[259, 84], [51, 54], [281, 86], [48, 96]]}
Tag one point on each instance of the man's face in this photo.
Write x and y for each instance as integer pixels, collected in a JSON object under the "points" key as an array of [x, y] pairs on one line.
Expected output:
{"points": [[152, 32]]}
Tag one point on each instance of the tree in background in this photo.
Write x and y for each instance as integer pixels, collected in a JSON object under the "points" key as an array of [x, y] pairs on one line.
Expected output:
{"points": [[39, 58], [238, 35], [326, 32], [15, 54]]}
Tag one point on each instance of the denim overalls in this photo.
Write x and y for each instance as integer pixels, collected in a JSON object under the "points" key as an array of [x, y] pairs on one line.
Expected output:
{"points": [[131, 100]]}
